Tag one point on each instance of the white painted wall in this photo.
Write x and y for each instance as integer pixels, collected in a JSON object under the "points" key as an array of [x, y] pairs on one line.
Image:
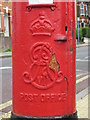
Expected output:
{"points": [[6, 25]]}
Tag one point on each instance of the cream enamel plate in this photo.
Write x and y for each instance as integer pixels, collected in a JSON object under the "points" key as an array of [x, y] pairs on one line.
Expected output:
{"points": [[40, 1]]}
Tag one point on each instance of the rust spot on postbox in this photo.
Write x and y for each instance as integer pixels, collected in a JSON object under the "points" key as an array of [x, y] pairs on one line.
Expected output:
{"points": [[54, 65]]}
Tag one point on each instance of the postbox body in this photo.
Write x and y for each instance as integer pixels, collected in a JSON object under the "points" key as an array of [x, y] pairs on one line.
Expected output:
{"points": [[44, 48]]}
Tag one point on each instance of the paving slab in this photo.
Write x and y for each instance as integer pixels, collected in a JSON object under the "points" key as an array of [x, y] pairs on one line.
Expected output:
{"points": [[82, 107]]}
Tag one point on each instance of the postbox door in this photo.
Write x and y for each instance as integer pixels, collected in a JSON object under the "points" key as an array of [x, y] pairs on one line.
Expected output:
{"points": [[42, 74]]}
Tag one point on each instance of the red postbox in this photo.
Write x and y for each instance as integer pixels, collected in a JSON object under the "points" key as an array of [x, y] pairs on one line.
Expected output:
{"points": [[44, 49]]}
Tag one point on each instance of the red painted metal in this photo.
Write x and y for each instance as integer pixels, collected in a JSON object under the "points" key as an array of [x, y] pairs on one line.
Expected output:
{"points": [[44, 48]]}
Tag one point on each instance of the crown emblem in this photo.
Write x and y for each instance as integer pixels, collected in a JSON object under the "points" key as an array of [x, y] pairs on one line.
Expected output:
{"points": [[41, 26]]}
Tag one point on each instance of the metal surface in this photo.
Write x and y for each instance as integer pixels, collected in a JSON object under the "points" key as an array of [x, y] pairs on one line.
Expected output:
{"points": [[44, 48], [66, 117]]}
